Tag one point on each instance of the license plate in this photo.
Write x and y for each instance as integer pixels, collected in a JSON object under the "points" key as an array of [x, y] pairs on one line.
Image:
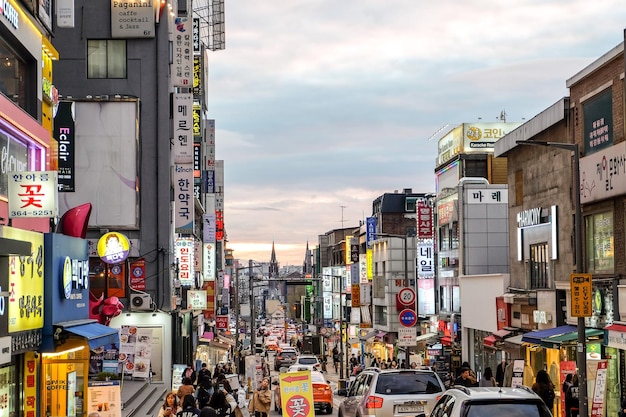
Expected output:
{"points": [[410, 409]]}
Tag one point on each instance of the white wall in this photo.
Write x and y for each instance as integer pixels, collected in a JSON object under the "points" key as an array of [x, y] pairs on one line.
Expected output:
{"points": [[478, 300]]}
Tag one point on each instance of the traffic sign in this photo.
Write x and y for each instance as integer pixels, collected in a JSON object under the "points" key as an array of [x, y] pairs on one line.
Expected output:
{"points": [[407, 317], [580, 285], [407, 296]]}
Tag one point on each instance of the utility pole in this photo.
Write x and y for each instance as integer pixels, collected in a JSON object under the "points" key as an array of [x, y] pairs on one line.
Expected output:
{"points": [[252, 315]]}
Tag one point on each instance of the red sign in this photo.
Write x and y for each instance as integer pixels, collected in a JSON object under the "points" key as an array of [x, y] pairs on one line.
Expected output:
{"points": [[407, 296], [138, 275], [221, 322], [424, 220]]}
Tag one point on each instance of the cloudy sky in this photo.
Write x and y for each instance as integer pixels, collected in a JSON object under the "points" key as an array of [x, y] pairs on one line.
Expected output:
{"points": [[323, 105]]}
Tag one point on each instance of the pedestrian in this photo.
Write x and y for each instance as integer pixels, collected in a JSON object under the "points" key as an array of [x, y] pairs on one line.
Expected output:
{"points": [[222, 400], [186, 388], [394, 365], [208, 412], [190, 373], [403, 364], [566, 384], [472, 374], [353, 361], [544, 387], [189, 408], [170, 406], [204, 373], [488, 380], [375, 363], [261, 400], [571, 398], [500, 373], [204, 393], [464, 378]]}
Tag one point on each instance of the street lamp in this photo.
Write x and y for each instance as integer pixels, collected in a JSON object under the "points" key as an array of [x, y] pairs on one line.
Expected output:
{"points": [[581, 354]]}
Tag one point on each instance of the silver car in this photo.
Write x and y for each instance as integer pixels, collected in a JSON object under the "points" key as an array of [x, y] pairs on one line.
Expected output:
{"points": [[490, 402], [392, 393]]}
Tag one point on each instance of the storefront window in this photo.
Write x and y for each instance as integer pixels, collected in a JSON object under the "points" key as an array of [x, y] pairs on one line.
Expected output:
{"points": [[13, 75], [65, 384], [539, 265], [8, 399], [600, 243]]}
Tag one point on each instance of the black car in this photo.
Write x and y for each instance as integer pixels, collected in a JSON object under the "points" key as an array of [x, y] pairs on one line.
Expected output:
{"points": [[285, 358]]}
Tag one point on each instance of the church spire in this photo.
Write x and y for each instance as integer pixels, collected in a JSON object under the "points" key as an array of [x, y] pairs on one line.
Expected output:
{"points": [[273, 263], [307, 267]]}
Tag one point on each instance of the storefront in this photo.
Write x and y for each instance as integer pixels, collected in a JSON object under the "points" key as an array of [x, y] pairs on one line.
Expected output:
{"points": [[69, 336]]}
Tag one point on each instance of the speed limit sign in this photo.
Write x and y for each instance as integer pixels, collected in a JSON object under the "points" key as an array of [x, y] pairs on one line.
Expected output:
{"points": [[406, 296]]}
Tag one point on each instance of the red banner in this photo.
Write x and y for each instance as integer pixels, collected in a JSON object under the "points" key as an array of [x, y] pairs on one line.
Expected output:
{"points": [[221, 322], [138, 275]]}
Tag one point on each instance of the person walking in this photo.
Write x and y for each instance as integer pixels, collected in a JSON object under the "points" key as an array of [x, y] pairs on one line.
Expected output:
{"points": [[222, 400], [170, 406], [189, 408], [544, 388], [261, 400], [204, 392], [571, 398], [488, 380], [186, 388], [464, 378]]}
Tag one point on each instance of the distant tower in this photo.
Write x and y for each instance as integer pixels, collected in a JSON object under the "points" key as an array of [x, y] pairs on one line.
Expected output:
{"points": [[273, 263], [307, 266], [273, 286]]}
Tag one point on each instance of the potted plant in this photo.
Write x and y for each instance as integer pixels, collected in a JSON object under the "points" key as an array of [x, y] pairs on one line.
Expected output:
{"points": [[107, 376]]}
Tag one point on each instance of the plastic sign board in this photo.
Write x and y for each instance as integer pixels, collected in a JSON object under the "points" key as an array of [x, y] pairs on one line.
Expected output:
{"points": [[580, 285], [113, 248], [406, 296], [407, 317], [296, 394]]}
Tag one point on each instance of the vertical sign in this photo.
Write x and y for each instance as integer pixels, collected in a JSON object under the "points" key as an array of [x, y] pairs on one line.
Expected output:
{"points": [[29, 404], [580, 285], [424, 220], [425, 259], [64, 134], [183, 249], [182, 149], [599, 391], [370, 231], [138, 275], [182, 72], [183, 199]]}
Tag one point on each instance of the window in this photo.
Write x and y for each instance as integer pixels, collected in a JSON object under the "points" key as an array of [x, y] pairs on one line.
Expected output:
{"points": [[538, 265], [410, 204], [408, 383], [600, 243], [106, 59], [380, 316], [16, 76]]}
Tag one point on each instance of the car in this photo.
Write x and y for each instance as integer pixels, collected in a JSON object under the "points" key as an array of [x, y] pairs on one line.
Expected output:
{"points": [[392, 392], [309, 360], [322, 394], [490, 402], [284, 357]]}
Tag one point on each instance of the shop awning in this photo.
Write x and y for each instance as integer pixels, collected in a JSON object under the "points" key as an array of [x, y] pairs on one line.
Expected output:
{"points": [[369, 335], [446, 341], [490, 340], [424, 337], [515, 340], [554, 342], [501, 334], [536, 336], [96, 334], [616, 328]]}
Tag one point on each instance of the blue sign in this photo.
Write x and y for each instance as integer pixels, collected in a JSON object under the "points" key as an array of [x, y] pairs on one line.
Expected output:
{"points": [[370, 230], [407, 317]]}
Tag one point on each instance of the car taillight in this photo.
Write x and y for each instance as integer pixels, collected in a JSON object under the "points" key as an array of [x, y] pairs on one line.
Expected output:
{"points": [[374, 402]]}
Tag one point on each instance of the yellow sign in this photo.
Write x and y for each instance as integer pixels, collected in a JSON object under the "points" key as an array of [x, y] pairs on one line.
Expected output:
{"points": [[113, 248], [580, 285], [296, 394], [25, 282]]}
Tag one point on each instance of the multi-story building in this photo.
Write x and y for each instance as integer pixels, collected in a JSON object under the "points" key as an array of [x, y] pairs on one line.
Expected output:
{"points": [[543, 210]]}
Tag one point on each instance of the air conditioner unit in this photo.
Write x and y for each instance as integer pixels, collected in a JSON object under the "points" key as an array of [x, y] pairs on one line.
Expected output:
{"points": [[141, 302]]}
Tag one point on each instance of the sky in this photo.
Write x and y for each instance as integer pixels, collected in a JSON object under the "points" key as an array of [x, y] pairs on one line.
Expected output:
{"points": [[321, 106]]}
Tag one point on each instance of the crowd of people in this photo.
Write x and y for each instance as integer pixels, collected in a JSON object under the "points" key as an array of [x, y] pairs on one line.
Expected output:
{"points": [[203, 394]]}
